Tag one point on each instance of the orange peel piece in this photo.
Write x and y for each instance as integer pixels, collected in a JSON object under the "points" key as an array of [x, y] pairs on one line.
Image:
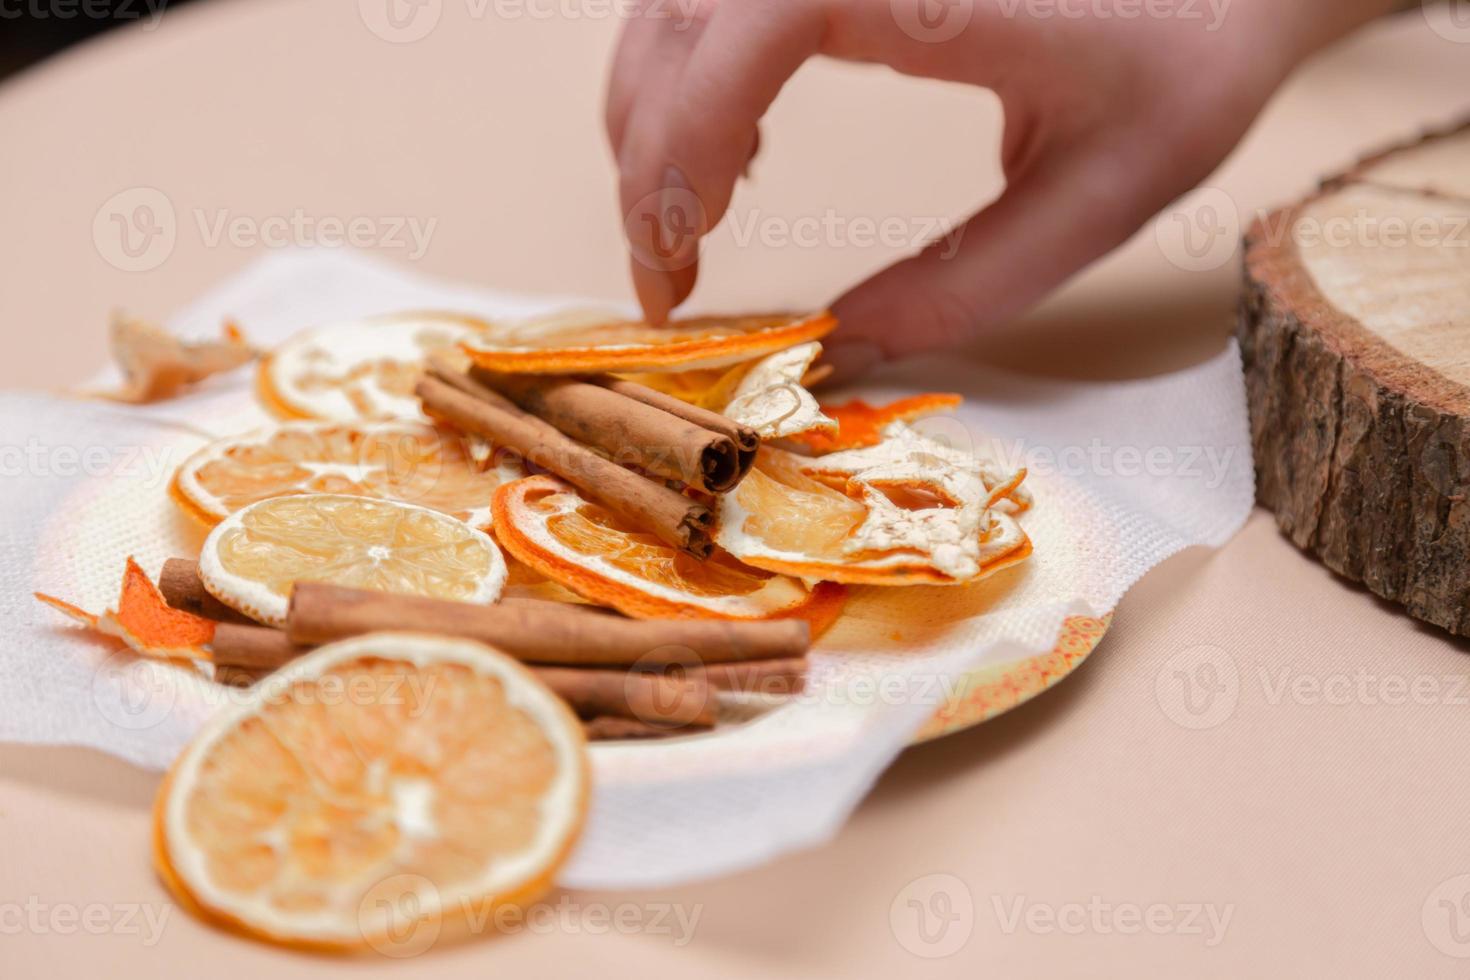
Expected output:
{"points": [[143, 620], [860, 424], [156, 365], [561, 345], [545, 524]]}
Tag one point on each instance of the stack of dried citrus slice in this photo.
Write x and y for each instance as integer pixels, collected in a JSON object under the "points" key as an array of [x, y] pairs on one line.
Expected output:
{"points": [[847, 494], [851, 494]]}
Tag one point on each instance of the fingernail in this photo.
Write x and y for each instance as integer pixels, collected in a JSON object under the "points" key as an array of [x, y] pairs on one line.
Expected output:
{"points": [[664, 226], [851, 359], [681, 218]]}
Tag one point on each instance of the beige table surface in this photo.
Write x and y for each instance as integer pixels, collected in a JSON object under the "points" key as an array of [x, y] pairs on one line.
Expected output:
{"points": [[1323, 809]]}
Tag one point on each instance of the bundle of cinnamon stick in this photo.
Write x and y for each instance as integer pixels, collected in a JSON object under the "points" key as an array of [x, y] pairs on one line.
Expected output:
{"points": [[628, 446], [628, 678]]}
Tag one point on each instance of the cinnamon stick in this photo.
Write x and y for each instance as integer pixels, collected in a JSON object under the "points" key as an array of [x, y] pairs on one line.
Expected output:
{"points": [[759, 677], [181, 587], [460, 400], [608, 728], [250, 651], [629, 429], [256, 647], [543, 632], [652, 698], [238, 676], [745, 438], [244, 654]]}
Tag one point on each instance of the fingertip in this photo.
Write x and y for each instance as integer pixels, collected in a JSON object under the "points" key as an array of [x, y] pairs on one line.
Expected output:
{"points": [[655, 293]]}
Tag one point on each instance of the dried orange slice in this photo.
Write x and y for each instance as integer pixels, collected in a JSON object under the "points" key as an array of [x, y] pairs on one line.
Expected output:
{"points": [[358, 369], [411, 462], [252, 558], [860, 424], [545, 524], [783, 520], [378, 793], [561, 345]]}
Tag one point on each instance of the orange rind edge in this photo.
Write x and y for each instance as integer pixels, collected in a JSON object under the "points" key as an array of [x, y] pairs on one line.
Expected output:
{"points": [[739, 346]]}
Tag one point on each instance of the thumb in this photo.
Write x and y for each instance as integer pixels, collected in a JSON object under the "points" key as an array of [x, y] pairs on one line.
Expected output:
{"points": [[1051, 221]]}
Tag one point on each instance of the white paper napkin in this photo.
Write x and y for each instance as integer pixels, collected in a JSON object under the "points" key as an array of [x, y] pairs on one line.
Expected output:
{"points": [[1124, 475]]}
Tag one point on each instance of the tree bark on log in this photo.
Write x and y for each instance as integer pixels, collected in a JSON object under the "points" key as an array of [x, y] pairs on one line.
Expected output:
{"points": [[1356, 349]]}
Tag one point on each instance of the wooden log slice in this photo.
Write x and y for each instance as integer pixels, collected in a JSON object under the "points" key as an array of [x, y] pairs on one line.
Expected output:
{"points": [[1355, 333]]}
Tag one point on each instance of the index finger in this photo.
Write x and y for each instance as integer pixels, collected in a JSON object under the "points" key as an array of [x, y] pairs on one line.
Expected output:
{"points": [[680, 162]]}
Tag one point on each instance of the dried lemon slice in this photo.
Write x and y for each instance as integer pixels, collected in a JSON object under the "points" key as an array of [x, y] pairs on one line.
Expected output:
{"points": [[252, 558], [411, 462], [560, 345], [358, 369], [783, 520], [545, 524], [378, 793]]}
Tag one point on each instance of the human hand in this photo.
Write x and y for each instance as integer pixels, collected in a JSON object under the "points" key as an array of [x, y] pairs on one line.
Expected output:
{"points": [[1108, 118]]}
